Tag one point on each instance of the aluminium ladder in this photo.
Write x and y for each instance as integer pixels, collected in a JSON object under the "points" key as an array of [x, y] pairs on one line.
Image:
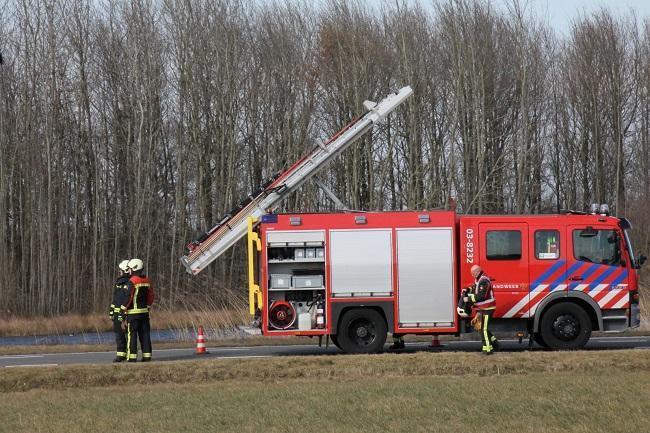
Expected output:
{"points": [[234, 225]]}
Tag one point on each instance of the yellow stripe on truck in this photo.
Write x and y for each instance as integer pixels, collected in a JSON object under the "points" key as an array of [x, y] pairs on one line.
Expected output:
{"points": [[254, 293]]}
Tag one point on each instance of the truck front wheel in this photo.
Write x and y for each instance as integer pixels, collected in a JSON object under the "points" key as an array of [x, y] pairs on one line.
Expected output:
{"points": [[565, 326], [362, 330]]}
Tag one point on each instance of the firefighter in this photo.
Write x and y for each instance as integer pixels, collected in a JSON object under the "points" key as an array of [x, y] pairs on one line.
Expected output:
{"points": [[136, 309], [483, 302], [120, 293]]}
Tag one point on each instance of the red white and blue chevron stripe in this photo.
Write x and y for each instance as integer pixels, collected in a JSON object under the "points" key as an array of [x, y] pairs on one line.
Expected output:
{"points": [[605, 284]]}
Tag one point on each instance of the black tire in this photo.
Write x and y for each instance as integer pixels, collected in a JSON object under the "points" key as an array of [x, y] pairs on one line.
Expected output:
{"points": [[565, 326], [335, 340], [362, 330], [537, 338]]}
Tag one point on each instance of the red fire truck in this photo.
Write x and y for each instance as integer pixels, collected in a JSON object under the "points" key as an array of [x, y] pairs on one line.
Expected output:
{"points": [[356, 276]]}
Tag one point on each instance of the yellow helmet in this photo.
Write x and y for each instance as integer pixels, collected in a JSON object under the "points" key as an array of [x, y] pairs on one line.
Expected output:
{"points": [[124, 265], [135, 264]]}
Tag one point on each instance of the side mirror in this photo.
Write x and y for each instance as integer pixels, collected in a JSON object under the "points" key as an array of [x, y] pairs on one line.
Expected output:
{"points": [[642, 259]]}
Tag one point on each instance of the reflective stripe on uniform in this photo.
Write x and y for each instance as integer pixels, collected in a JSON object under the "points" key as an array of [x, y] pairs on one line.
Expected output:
{"points": [[486, 337], [137, 310], [128, 340], [121, 354], [146, 355], [135, 295]]}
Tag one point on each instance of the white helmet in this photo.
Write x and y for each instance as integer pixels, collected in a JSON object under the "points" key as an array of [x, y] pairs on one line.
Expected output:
{"points": [[136, 264], [124, 265]]}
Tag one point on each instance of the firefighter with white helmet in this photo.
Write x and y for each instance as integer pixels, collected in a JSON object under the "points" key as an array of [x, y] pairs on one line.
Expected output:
{"points": [[136, 308], [482, 300], [120, 295]]}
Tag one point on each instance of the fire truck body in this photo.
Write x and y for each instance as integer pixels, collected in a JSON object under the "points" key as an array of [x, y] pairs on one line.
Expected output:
{"points": [[357, 276]]}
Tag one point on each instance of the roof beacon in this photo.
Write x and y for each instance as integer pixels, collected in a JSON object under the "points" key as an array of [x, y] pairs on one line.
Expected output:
{"points": [[604, 209]]}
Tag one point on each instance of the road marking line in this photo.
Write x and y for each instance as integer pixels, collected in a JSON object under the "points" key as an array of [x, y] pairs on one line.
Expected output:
{"points": [[228, 348], [31, 365], [241, 357], [20, 356], [620, 340], [75, 353]]}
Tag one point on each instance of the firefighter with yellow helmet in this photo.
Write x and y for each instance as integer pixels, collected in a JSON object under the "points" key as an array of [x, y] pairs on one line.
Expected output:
{"points": [[136, 308], [120, 294]]}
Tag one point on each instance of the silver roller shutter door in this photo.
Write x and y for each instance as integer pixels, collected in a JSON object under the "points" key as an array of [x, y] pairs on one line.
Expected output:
{"points": [[425, 277], [361, 262]]}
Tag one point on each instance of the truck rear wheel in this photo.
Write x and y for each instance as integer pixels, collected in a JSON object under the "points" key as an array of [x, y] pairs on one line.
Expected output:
{"points": [[362, 330], [565, 326]]}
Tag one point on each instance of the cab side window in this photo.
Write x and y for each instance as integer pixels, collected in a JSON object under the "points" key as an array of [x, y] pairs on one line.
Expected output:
{"points": [[597, 246], [547, 244], [503, 245]]}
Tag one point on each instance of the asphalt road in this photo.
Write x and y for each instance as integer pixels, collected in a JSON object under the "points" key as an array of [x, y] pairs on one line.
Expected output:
{"points": [[56, 359]]}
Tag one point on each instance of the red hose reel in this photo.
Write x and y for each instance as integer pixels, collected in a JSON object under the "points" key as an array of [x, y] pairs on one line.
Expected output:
{"points": [[282, 315]]}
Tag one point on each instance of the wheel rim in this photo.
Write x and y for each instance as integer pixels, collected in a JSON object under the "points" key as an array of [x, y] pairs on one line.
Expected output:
{"points": [[566, 327], [362, 332]]}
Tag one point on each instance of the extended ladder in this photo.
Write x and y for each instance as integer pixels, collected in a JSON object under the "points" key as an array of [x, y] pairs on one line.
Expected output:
{"points": [[233, 226]]}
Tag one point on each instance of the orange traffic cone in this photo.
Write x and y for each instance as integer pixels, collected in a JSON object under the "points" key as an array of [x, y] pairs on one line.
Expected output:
{"points": [[200, 342], [435, 341]]}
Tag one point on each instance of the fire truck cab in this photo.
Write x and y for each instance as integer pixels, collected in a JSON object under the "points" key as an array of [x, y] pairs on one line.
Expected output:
{"points": [[357, 276]]}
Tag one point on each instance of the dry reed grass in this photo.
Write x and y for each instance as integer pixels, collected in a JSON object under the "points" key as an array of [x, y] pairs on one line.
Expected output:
{"points": [[183, 320]]}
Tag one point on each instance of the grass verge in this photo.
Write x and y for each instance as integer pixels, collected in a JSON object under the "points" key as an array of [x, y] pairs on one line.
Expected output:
{"points": [[569, 392], [342, 368]]}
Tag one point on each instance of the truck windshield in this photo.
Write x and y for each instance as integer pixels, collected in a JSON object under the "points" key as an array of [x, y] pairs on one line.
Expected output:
{"points": [[596, 246]]}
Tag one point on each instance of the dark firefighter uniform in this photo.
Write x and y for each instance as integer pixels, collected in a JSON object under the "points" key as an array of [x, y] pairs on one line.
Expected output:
{"points": [[120, 296], [136, 309], [482, 298]]}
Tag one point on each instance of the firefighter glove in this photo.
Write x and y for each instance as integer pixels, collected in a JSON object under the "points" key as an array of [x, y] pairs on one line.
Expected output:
{"points": [[477, 322]]}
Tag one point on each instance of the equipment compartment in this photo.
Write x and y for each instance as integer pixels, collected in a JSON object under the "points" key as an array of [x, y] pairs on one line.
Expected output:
{"points": [[296, 310], [296, 281]]}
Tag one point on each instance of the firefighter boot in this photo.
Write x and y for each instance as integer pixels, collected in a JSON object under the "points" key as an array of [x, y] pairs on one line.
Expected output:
{"points": [[495, 343]]}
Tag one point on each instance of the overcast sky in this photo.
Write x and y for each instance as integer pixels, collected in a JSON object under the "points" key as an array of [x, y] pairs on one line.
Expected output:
{"points": [[559, 13]]}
